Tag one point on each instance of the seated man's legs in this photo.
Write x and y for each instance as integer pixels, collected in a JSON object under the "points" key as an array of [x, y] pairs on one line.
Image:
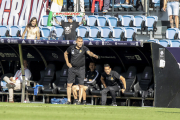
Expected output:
{"points": [[84, 92], [113, 90], [104, 95], [11, 86]]}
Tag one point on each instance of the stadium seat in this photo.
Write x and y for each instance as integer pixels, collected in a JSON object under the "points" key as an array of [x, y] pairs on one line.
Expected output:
{"points": [[94, 32], [107, 16], [3, 30], [86, 39], [45, 31], [44, 20], [47, 76], [127, 20], [118, 33], [150, 23], [130, 77], [14, 31], [59, 85], [144, 81], [108, 39], [91, 20], [172, 33], [59, 31], [105, 32], [22, 30], [101, 21], [59, 18], [112, 21], [130, 34], [139, 22], [154, 40], [164, 43], [97, 39], [174, 43], [82, 31]]}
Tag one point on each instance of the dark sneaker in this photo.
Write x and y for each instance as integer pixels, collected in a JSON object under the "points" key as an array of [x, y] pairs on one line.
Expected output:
{"points": [[113, 104], [84, 102], [10, 85], [68, 103], [75, 101], [78, 103]]}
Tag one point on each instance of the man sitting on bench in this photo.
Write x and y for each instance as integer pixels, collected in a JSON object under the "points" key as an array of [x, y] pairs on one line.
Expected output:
{"points": [[89, 81], [109, 80], [14, 83]]}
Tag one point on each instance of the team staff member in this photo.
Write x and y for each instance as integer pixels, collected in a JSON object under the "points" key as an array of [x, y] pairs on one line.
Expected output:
{"points": [[76, 66], [109, 80], [14, 83], [89, 81], [70, 27]]}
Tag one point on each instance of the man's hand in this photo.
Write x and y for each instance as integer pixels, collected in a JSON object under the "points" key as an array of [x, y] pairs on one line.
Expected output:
{"points": [[164, 8], [69, 65], [11, 78], [95, 56], [123, 90], [13, 81]]}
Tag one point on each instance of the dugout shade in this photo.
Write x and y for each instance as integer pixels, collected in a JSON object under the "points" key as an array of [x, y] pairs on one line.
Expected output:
{"points": [[123, 54]]}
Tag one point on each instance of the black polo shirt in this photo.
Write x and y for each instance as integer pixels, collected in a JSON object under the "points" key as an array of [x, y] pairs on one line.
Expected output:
{"points": [[91, 77], [111, 79], [77, 55]]}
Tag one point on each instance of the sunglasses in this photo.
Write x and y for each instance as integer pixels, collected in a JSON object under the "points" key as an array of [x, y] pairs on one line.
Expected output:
{"points": [[69, 17]]}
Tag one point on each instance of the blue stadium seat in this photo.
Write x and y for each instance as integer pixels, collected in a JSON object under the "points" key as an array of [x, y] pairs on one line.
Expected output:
{"points": [[3, 30], [118, 33], [44, 20], [154, 40], [59, 31], [156, 3], [82, 31], [139, 22], [107, 16], [22, 30], [164, 43], [86, 39], [101, 21], [108, 39], [91, 20], [13, 30], [127, 20], [112, 21], [78, 18], [93, 32], [97, 39], [59, 18], [45, 31], [150, 23], [120, 17], [172, 33], [130, 33], [105, 32], [174, 43]]}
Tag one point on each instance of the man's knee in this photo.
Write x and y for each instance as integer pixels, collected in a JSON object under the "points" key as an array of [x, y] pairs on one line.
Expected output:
{"points": [[69, 85], [81, 86], [85, 88], [104, 91]]}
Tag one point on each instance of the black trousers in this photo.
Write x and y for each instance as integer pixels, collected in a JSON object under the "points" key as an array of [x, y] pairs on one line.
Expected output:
{"points": [[112, 90]]}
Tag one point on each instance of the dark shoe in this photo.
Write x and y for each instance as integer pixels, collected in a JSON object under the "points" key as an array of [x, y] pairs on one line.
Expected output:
{"points": [[68, 103], [10, 85], [78, 103], [84, 102], [113, 104], [75, 101]]}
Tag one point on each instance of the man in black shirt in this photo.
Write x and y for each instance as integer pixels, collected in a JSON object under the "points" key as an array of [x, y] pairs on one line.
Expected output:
{"points": [[76, 66], [69, 27], [89, 81], [109, 80]]}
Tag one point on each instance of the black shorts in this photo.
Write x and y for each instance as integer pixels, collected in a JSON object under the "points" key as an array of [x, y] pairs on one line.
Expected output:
{"points": [[79, 72]]}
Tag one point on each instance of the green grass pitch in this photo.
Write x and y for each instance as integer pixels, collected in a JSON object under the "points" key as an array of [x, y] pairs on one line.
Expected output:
{"points": [[27, 111]]}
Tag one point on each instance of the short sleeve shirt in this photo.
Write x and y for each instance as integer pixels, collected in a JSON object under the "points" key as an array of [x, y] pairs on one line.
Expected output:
{"points": [[77, 55], [111, 79], [70, 29]]}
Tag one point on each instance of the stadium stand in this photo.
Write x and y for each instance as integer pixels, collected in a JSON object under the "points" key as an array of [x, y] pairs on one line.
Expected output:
{"points": [[3, 31]]}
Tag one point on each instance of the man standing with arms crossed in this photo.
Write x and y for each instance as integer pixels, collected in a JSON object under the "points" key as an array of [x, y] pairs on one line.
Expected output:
{"points": [[76, 66], [173, 10]]}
